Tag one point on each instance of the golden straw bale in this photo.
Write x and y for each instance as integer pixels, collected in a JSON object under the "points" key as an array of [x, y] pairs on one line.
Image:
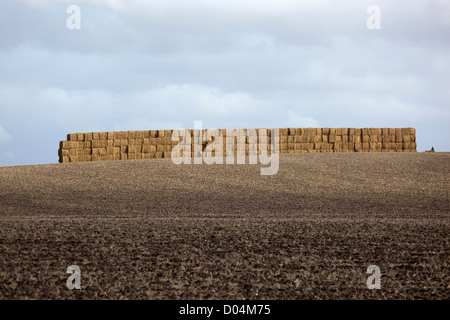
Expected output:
{"points": [[64, 145], [102, 143], [345, 145], [373, 146], [76, 144], [161, 133], [139, 134], [283, 132], [88, 136], [121, 134], [64, 152], [146, 148], [72, 152], [118, 135]]}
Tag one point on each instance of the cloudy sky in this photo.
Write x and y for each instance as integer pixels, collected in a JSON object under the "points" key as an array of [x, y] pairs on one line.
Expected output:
{"points": [[161, 64]]}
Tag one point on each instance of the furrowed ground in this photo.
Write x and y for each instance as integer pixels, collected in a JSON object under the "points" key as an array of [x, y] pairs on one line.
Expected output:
{"points": [[150, 229]]}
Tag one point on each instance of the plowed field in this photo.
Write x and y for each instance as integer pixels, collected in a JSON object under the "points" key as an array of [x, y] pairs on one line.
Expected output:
{"points": [[150, 229]]}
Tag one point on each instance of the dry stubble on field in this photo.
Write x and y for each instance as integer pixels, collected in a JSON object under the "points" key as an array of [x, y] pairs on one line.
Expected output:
{"points": [[149, 229]]}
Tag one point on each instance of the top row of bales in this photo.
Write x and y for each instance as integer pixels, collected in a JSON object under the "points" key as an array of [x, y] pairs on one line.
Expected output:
{"points": [[115, 135], [347, 131]]}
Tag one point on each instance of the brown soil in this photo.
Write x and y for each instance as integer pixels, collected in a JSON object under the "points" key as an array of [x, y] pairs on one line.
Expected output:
{"points": [[149, 229]]}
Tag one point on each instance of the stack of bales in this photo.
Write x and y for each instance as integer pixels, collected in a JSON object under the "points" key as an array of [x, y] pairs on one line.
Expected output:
{"points": [[150, 144], [309, 140], [119, 145]]}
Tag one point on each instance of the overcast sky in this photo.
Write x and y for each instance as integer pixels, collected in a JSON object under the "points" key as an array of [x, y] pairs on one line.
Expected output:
{"points": [[161, 64]]}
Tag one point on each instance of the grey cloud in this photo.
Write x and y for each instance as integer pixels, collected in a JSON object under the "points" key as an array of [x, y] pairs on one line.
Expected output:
{"points": [[158, 64]]}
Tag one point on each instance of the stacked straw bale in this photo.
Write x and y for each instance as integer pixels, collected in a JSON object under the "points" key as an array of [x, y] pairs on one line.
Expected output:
{"points": [[156, 144]]}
